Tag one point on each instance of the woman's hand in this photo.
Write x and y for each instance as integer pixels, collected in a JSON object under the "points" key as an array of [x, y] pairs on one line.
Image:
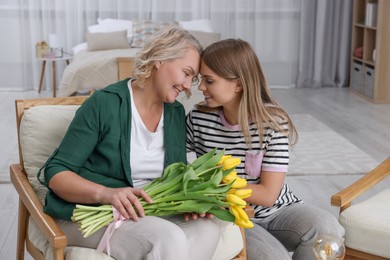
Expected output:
{"points": [[125, 200], [195, 216]]}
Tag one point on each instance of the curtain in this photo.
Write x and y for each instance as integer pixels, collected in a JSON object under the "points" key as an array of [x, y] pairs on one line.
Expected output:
{"points": [[294, 45], [324, 47]]}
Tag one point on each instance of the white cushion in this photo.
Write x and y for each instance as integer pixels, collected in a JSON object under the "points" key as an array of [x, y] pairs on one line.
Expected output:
{"points": [[367, 225], [80, 47], [113, 25], [203, 25], [117, 25], [42, 129]]}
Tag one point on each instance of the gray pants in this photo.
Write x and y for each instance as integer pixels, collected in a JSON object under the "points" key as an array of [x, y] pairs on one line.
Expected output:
{"points": [[295, 229], [154, 238]]}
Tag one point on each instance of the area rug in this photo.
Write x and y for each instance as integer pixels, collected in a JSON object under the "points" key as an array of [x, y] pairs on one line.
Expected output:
{"points": [[322, 151]]}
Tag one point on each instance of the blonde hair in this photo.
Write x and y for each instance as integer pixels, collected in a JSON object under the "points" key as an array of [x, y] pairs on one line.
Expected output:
{"points": [[235, 59], [169, 44]]}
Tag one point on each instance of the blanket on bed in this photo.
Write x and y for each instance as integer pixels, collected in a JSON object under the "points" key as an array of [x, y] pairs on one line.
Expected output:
{"points": [[92, 70]]}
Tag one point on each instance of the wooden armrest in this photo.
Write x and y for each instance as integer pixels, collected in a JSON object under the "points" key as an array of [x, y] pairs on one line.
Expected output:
{"points": [[345, 197], [27, 195], [250, 211]]}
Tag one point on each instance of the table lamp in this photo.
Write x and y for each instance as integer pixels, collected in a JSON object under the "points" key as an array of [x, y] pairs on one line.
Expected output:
{"points": [[329, 247], [54, 45]]}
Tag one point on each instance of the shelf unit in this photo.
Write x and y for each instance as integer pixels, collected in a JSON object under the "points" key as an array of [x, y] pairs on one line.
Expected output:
{"points": [[371, 78]]}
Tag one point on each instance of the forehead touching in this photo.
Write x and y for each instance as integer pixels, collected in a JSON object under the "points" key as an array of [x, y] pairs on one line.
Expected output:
{"points": [[190, 61], [205, 71]]}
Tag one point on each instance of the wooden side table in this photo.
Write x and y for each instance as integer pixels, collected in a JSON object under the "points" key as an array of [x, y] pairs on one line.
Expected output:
{"points": [[53, 64]]}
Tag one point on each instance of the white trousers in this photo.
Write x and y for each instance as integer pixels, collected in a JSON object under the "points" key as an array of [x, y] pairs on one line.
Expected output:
{"points": [[154, 238]]}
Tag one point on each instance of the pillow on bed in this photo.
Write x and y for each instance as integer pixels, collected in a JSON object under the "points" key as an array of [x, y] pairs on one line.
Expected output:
{"points": [[107, 41], [143, 30]]}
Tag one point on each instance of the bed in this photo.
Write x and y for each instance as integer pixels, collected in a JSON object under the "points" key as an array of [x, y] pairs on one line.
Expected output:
{"points": [[107, 57]]}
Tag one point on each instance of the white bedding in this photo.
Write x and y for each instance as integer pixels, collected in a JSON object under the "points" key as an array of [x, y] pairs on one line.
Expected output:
{"points": [[92, 70]]}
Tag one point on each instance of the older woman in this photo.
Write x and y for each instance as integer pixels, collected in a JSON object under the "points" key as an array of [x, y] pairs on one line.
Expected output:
{"points": [[121, 138]]}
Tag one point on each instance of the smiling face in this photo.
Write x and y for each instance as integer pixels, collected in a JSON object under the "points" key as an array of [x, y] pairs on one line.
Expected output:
{"points": [[172, 77], [219, 91]]}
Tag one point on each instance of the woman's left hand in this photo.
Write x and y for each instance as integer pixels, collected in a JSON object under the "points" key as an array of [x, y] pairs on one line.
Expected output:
{"points": [[195, 216]]}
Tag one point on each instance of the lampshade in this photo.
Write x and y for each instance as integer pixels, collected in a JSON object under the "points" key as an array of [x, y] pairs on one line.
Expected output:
{"points": [[53, 41]]}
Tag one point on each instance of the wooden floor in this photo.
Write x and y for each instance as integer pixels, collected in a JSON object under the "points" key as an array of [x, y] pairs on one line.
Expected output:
{"points": [[364, 124]]}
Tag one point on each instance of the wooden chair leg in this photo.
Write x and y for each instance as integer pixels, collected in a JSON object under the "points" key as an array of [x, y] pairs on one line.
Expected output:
{"points": [[242, 255], [22, 227], [53, 64], [42, 74]]}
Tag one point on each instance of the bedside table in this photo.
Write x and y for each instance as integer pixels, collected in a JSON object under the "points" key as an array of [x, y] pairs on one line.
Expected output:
{"points": [[65, 58]]}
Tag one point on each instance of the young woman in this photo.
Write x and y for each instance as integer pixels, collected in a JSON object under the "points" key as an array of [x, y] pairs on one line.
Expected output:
{"points": [[240, 116], [121, 138]]}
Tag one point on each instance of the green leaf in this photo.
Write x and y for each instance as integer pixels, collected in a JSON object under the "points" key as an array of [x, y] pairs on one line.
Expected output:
{"points": [[188, 175], [212, 162], [220, 189], [222, 214], [189, 206], [216, 179], [225, 173], [165, 185], [190, 196], [202, 159]]}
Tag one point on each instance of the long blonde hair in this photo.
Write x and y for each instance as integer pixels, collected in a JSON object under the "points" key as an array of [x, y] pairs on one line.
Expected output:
{"points": [[235, 59], [169, 44]]}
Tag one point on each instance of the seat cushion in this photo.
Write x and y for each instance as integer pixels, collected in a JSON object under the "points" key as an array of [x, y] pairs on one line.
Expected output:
{"points": [[367, 225], [229, 245]]}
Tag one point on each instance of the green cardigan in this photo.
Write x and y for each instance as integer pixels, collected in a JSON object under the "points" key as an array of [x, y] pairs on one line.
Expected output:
{"points": [[97, 144]]}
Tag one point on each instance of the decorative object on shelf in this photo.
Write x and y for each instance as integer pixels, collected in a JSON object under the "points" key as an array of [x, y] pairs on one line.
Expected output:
{"points": [[56, 50], [41, 49], [371, 14], [374, 55], [329, 247], [358, 52]]}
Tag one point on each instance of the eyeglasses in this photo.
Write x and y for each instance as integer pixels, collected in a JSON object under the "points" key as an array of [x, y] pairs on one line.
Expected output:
{"points": [[195, 80]]}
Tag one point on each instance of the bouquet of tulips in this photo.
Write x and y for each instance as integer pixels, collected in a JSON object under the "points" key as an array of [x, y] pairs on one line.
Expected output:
{"points": [[207, 185]]}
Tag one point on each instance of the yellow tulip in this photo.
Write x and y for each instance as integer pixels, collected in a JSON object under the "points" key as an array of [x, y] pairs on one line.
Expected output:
{"points": [[241, 218], [230, 163], [224, 157], [241, 223], [230, 177], [243, 193], [235, 200], [239, 183], [231, 191]]}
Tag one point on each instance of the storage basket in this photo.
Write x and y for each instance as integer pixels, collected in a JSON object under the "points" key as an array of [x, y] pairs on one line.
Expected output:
{"points": [[369, 74], [357, 76]]}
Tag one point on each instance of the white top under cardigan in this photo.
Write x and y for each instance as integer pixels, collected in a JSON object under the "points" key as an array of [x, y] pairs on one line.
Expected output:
{"points": [[146, 148]]}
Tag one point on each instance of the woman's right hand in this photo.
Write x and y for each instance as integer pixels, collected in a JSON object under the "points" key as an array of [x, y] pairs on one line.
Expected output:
{"points": [[125, 200]]}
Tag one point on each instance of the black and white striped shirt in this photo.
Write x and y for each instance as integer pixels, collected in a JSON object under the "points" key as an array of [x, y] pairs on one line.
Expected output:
{"points": [[207, 130]]}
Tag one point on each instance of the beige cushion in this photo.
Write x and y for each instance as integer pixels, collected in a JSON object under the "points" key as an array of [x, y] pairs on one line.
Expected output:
{"points": [[143, 30], [42, 129], [107, 40], [367, 225]]}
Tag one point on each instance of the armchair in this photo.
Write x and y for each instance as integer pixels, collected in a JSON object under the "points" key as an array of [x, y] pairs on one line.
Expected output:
{"points": [[367, 228], [41, 124]]}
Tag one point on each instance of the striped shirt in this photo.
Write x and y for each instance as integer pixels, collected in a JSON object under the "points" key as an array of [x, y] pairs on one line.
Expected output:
{"points": [[207, 130]]}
